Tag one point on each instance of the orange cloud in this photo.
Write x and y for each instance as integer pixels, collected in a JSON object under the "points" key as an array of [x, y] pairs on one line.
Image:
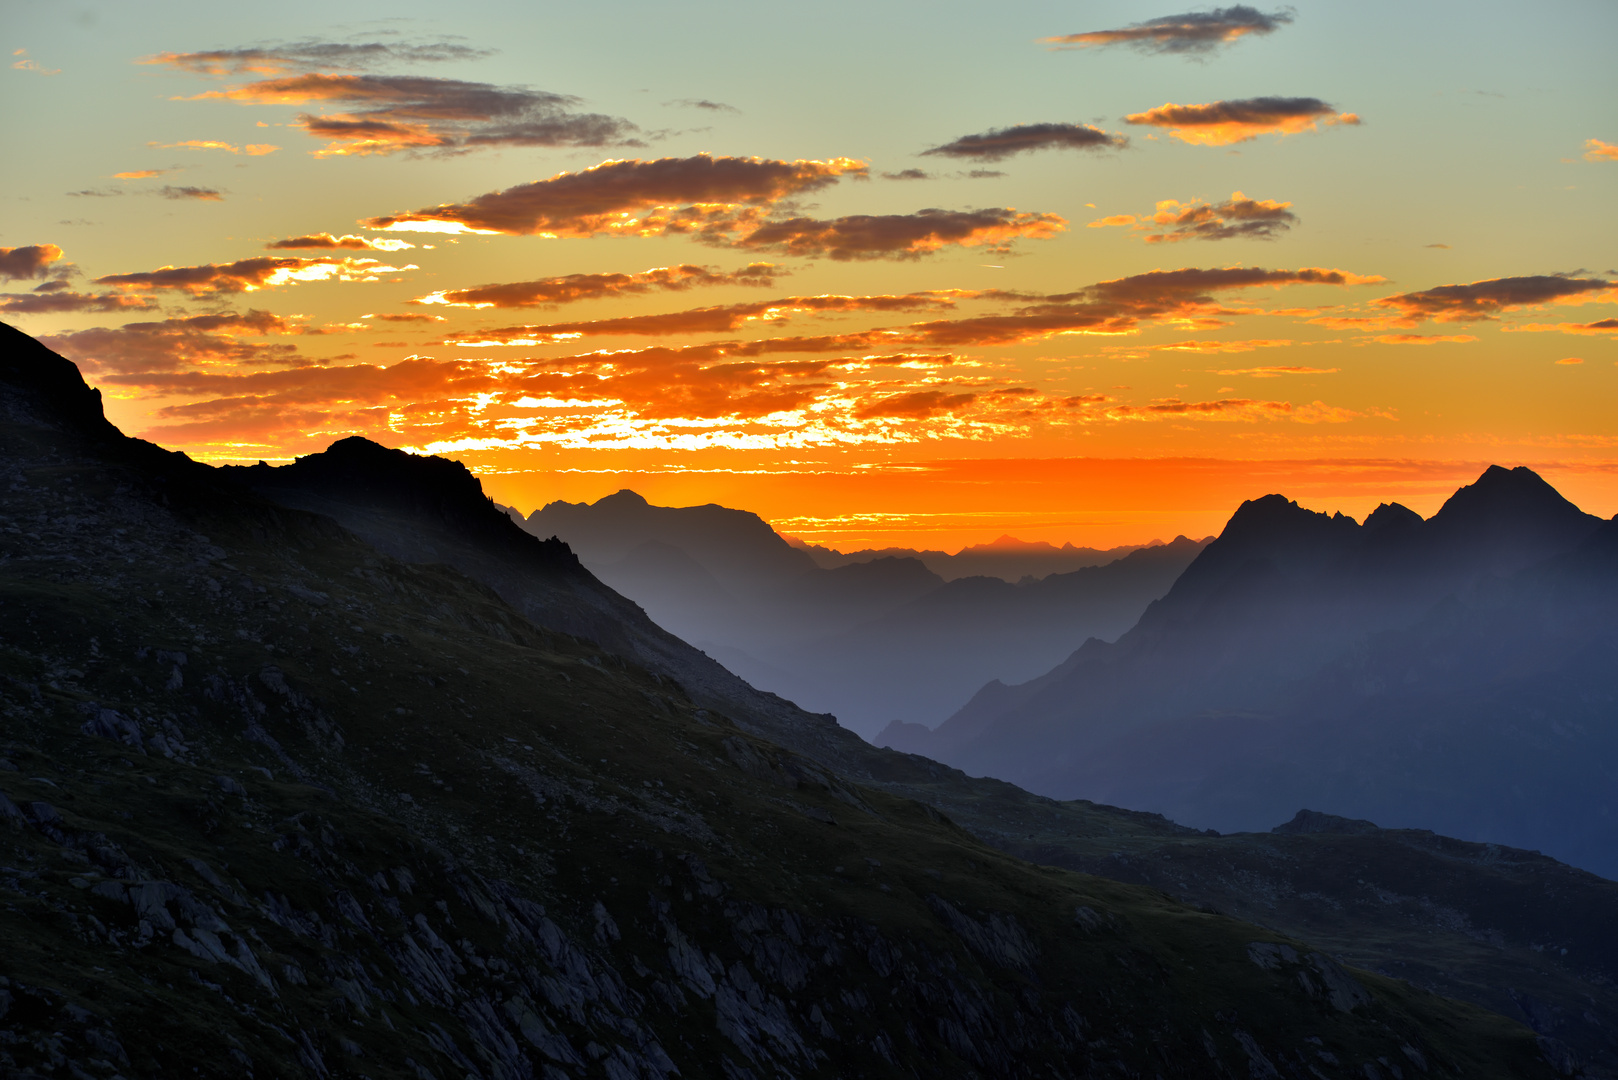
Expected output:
{"points": [[252, 149], [174, 343], [310, 55], [1236, 218], [139, 174], [1243, 410], [1600, 326], [1596, 150], [26, 64], [1354, 322], [1570, 360], [901, 236], [705, 320], [54, 297], [1195, 33], [202, 194], [1002, 143], [1276, 372], [573, 287], [655, 396], [1423, 339], [633, 197], [33, 261], [383, 114], [328, 242], [919, 403], [1221, 346], [1109, 307], [310, 406], [1221, 123], [248, 275], [1481, 301], [408, 318]]}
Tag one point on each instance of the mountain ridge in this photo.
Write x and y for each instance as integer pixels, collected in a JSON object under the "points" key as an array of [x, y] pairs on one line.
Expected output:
{"points": [[273, 802], [1238, 661]]}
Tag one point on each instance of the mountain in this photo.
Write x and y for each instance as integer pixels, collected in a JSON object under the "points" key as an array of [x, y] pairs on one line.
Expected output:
{"points": [[738, 548], [274, 802], [923, 658], [1007, 558], [876, 642], [1400, 670]]}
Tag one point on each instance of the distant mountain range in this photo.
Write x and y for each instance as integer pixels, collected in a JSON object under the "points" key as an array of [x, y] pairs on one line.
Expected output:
{"points": [[874, 641], [1459, 673], [274, 798], [1006, 557]]}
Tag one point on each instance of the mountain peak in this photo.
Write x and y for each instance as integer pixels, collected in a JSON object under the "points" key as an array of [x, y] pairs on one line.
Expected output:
{"points": [[59, 395], [1391, 515], [623, 497], [1516, 508], [1274, 518], [1313, 821]]}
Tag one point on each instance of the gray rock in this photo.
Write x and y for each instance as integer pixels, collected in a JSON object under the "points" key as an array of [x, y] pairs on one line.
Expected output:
{"points": [[1270, 956], [1313, 821], [9, 813], [114, 725]]}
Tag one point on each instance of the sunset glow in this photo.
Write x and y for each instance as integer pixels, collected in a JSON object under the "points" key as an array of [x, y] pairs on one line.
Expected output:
{"points": [[1012, 274]]}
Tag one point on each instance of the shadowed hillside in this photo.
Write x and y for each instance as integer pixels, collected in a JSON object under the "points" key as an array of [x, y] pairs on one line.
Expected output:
{"points": [[278, 710]]}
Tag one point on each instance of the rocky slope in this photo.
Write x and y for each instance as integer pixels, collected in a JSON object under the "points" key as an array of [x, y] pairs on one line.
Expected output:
{"points": [[1485, 942]]}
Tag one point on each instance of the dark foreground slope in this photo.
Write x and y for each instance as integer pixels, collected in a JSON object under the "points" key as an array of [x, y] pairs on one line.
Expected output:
{"points": [[277, 804], [431, 510], [1487, 938]]}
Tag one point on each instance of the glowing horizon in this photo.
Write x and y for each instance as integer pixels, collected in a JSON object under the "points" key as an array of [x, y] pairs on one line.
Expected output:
{"points": [[1107, 277]]}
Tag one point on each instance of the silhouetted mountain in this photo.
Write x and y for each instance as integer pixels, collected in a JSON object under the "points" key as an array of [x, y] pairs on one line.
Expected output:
{"points": [[1007, 558], [432, 510], [278, 801], [1399, 671], [875, 643], [738, 548], [924, 657]]}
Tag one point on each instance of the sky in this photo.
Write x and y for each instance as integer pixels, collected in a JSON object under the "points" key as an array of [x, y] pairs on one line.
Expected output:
{"points": [[884, 273]]}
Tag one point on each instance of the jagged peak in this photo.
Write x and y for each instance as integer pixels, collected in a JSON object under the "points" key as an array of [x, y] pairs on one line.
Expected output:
{"points": [[1275, 516], [356, 459], [1500, 495], [623, 497], [1391, 515], [60, 394]]}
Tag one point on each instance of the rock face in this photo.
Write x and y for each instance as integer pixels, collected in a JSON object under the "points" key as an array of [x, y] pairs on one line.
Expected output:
{"points": [[399, 830]]}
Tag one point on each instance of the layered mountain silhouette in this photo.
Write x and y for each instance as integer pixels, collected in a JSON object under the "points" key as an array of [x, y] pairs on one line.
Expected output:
{"points": [[278, 800], [873, 641], [1005, 557], [1458, 673]]}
